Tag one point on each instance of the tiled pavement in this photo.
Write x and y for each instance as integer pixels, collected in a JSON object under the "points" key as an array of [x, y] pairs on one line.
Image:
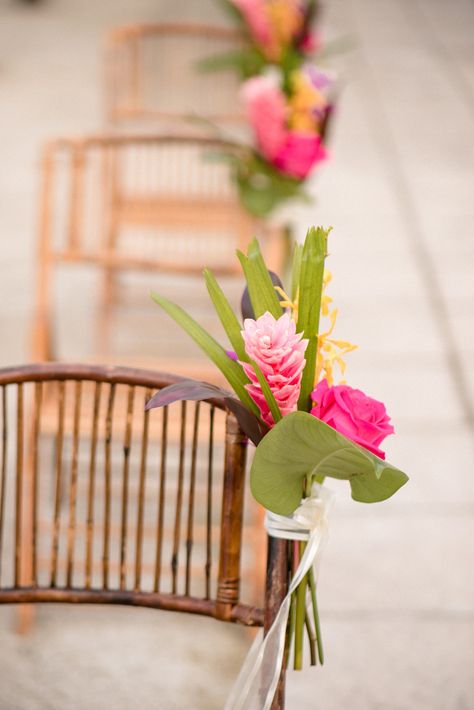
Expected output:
{"points": [[397, 582]]}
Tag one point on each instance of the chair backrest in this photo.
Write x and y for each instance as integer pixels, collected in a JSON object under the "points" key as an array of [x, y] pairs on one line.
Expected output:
{"points": [[102, 502], [153, 73], [140, 203]]}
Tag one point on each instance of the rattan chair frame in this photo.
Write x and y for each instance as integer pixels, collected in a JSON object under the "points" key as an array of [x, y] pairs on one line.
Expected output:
{"points": [[226, 605], [119, 209], [123, 49]]}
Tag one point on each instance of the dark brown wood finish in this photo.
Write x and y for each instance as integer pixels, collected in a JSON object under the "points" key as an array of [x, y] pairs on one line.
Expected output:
{"points": [[86, 532], [95, 547]]}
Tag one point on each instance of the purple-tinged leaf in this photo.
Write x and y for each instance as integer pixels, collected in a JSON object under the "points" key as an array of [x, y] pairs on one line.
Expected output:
{"points": [[193, 390]]}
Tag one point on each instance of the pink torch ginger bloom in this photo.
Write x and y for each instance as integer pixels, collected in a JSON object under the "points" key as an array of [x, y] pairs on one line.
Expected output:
{"points": [[256, 16], [362, 419], [266, 111], [278, 350]]}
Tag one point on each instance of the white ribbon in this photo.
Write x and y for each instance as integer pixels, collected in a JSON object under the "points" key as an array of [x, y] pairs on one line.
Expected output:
{"points": [[254, 689]]}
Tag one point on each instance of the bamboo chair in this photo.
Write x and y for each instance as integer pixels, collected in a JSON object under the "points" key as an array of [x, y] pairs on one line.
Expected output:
{"points": [[152, 75], [75, 501], [140, 204]]}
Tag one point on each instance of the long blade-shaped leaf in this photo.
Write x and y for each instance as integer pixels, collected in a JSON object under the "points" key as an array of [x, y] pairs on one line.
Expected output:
{"points": [[296, 270], [309, 305], [231, 370], [301, 445], [226, 315], [261, 290], [267, 393]]}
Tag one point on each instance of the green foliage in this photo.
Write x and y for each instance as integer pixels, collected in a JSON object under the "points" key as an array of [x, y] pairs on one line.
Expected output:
{"points": [[301, 446], [309, 304], [262, 187], [231, 370], [267, 393], [227, 317], [263, 296], [296, 269]]}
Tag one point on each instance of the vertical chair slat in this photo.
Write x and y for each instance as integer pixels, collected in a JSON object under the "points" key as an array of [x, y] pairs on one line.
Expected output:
{"points": [[192, 487], [71, 534], [108, 486], [3, 482], [161, 499], [19, 484], [210, 462], [232, 519], [91, 486], [179, 499], [125, 479], [34, 481], [141, 495], [76, 197], [58, 482]]}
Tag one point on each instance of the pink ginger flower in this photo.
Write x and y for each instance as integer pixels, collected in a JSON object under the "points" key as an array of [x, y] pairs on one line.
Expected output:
{"points": [[266, 111], [278, 350], [256, 16]]}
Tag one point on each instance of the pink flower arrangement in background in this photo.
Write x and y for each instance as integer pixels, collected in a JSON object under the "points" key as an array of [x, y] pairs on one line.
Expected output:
{"points": [[287, 130], [275, 346], [276, 24], [351, 412]]}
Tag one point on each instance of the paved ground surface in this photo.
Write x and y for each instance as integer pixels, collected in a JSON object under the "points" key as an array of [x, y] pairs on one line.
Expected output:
{"points": [[396, 588]]}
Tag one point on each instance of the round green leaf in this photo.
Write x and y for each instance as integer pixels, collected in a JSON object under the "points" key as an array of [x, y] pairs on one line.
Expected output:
{"points": [[300, 445]]}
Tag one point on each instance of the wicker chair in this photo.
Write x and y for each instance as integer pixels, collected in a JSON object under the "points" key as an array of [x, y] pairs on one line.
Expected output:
{"points": [[117, 469], [152, 75], [137, 204]]}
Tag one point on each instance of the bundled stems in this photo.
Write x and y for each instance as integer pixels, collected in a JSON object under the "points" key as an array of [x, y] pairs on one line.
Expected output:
{"points": [[299, 616]]}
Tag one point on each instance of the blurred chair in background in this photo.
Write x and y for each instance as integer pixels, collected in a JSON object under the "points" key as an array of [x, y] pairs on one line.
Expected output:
{"points": [[143, 204], [112, 504], [154, 77]]}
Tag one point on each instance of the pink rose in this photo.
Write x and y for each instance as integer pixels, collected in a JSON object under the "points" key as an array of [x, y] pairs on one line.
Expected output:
{"points": [[299, 154], [362, 419]]}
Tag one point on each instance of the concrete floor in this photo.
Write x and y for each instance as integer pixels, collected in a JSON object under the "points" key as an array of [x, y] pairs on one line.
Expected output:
{"points": [[397, 583]]}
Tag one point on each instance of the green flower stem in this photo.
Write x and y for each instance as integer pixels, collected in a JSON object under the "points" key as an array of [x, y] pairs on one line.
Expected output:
{"points": [[300, 617], [317, 626], [312, 640], [291, 625]]}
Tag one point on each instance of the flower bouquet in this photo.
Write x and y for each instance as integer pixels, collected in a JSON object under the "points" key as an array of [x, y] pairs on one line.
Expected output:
{"points": [[277, 32], [305, 428]]}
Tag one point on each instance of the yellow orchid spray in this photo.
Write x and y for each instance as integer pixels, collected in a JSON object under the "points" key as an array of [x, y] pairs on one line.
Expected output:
{"points": [[331, 351]]}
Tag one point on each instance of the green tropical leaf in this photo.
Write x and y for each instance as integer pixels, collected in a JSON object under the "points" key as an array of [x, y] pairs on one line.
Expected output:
{"points": [[300, 446], [231, 370], [296, 270], [261, 290], [227, 317], [267, 393], [309, 304]]}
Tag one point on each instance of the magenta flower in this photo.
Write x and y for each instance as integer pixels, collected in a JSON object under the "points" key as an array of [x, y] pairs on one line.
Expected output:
{"points": [[278, 350], [362, 419], [299, 154]]}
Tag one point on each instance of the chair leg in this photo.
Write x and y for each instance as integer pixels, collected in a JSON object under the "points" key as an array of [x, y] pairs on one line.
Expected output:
{"points": [[275, 592], [25, 617]]}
